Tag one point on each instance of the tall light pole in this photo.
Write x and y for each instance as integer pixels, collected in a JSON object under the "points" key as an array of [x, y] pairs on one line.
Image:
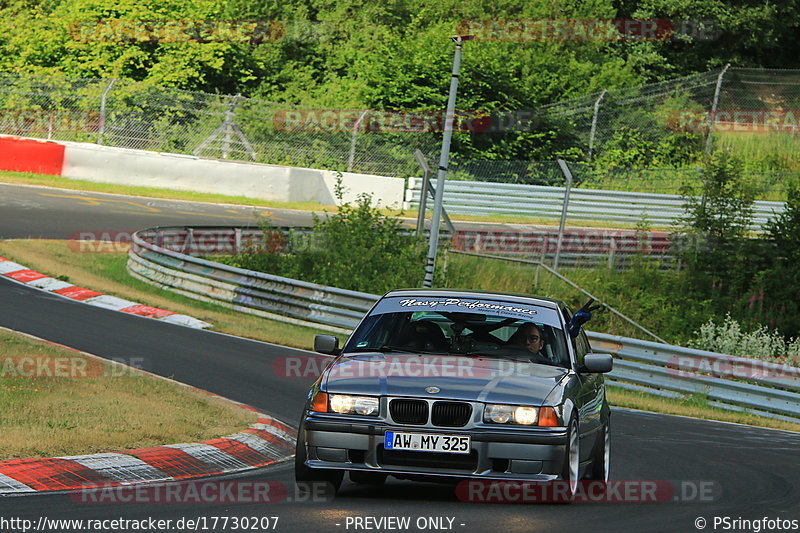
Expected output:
{"points": [[430, 263]]}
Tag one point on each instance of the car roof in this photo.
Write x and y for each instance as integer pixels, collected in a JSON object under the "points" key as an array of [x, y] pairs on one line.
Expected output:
{"points": [[461, 293]]}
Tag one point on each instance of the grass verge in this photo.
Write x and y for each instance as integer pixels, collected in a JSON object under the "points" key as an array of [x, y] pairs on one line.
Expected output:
{"points": [[695, 407], [59, 402], [106, 272]]}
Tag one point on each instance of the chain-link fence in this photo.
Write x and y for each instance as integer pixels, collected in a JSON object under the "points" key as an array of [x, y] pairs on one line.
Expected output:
{"points": [[627, 139], [137, 115]]}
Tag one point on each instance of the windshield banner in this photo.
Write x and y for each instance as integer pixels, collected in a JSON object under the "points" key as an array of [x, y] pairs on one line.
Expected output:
{"points": [[527, 312]]}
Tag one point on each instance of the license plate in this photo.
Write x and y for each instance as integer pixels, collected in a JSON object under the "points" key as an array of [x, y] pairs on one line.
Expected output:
{"points": [[421, 442]]}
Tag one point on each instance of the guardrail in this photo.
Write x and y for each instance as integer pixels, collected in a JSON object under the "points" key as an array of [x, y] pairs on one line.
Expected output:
{"points": [[734, 383], [156, 257], [514, 199]]}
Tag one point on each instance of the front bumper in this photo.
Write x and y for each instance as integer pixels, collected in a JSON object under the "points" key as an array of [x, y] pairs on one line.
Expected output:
{"points": [[521, 453]]}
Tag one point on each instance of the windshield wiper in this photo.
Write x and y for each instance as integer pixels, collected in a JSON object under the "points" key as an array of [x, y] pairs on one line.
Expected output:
{"points": [[386, 348]]}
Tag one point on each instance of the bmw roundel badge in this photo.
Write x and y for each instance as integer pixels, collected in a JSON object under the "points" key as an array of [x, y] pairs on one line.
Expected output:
{"points": [[432, 390]]}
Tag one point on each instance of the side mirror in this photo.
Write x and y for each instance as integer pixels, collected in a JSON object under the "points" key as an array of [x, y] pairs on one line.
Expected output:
{"points": [[327, 344], [598, 363]]}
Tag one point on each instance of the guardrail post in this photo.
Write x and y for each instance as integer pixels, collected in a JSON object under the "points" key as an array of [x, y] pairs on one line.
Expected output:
{"points": [[612, 251], [423, 192], [543, 248], [237, 240], [188, 240]]}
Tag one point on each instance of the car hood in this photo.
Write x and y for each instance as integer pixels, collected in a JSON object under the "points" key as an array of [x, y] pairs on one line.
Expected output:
{"points": [[467, 378]]}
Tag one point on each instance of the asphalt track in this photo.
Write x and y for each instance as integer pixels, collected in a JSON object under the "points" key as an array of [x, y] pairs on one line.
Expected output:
{"points": [[51, 213], [748, 473]]}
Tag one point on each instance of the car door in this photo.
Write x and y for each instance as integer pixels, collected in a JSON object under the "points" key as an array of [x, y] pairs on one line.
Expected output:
{"points": [[590, 393]]}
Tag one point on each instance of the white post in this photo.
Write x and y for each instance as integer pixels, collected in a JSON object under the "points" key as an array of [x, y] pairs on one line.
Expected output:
{"points": [[714, 106], [102, 127], [594, 122], [565, 170], [353, 141], [430, 263]]}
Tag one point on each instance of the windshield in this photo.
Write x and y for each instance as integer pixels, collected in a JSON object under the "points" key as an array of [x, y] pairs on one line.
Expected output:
{"points": [[520, 332]]}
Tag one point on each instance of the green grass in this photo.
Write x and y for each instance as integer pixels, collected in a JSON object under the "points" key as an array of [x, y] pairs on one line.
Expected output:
{"points": [[59, 402], [691, 406], [773, 150], [645, 294]]}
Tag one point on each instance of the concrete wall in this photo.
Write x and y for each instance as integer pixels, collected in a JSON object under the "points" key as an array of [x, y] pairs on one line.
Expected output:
{"points": [[123, 166]]}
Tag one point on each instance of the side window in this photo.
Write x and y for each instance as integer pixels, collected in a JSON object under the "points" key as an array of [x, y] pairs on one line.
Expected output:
{"points": [[581, 347]]}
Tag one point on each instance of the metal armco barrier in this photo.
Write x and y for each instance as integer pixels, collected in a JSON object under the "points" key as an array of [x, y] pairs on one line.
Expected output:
{"points": [[734, 383], [156, 257], [491, 198], [766, 388]]}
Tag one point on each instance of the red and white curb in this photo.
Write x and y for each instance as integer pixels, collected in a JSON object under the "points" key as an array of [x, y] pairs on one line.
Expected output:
{"points": [[263, 443], [37, 280]]}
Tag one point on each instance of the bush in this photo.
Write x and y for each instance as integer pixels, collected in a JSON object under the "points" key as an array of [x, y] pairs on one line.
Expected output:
{"points": [[729, 338], [354, 248]]}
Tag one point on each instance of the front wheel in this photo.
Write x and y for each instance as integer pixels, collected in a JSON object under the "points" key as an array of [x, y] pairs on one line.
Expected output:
{"points": [[313, 480], [601, 459], [571, 467]]}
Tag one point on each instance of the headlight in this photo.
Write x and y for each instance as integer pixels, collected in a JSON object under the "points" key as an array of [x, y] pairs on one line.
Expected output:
{"points": [[505, 414], [359, 405], [525, 415], [499, 414]]}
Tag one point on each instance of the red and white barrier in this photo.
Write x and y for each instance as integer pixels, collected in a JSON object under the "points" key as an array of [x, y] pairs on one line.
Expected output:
{"points": [[31, 155], [125, 166]]}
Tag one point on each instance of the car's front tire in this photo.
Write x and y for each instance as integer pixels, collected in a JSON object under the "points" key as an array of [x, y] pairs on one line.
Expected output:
{"points": [[571, 467], [601, 459], [313, 480]]}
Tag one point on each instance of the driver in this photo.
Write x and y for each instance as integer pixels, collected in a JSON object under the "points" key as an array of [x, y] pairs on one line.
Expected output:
{"points": [[530, 337]]}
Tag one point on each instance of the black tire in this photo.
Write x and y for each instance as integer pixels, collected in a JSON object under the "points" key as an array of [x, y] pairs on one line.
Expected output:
{"points": [[570, 471], [310, 480], [367, 478], [601, 458]]}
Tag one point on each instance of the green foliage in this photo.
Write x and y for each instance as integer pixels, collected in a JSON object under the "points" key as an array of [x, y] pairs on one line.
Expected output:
{"points": [[730, 338], [354, 248], [724, 208], [715, 241]]}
